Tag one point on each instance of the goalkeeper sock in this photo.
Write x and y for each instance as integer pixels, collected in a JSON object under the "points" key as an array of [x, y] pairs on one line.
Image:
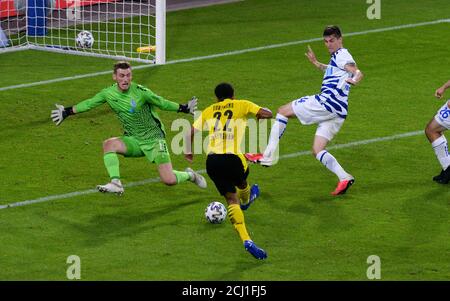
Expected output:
{"points": [[440, 148], [244, 194], [330, 162], [276, 132], [182, 176], [112, 164], [237, 219]]}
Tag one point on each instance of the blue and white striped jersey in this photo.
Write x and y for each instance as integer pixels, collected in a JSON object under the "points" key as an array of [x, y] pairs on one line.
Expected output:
{"points": [[334, 92]]}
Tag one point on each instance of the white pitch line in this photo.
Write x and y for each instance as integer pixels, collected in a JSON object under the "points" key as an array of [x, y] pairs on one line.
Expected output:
{"points": [[236, 52], [361, 142], [155, 180]]}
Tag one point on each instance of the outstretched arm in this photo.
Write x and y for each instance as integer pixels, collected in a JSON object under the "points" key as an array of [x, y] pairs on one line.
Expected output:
{"points": [[357, 74], [60, 113], [440, 92], [167, 105], [312, 58], [190, 107]]}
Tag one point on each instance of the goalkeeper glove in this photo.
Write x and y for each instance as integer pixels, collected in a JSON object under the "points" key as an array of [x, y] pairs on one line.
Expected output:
{"points": [[190, 107], [61, 113]]}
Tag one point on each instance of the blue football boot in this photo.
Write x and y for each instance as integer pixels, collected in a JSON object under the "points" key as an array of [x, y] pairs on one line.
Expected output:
{"points": [[253, 249], [254, 193]]}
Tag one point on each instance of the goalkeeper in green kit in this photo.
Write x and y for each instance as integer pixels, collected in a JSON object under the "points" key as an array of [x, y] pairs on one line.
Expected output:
{"points": [[144, 134]]}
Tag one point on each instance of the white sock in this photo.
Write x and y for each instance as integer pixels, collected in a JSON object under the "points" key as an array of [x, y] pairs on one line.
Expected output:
{"points": [[440, 148], [275, 134], [332, 164]]}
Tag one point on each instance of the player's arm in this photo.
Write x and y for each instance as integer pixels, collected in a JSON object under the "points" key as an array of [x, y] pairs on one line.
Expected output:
{"points": [[60, 113], [188, 155], [440, 92], [312, 58], [264, 113], [257, 111], [167, 105], [189, 138], [357, 74]]}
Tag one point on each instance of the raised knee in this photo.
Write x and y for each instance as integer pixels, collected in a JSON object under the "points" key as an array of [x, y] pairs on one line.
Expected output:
{"points": [[286, 110], [432, 134], [282, 111], [111, 144], [428, 131]]}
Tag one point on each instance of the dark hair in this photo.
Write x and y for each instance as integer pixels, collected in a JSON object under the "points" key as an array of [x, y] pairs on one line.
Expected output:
{"points": [[332, 30], [223, 91], [121, 65]]}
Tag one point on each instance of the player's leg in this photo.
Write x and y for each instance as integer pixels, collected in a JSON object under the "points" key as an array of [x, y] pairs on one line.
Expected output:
{"points": [[170, 177], [112, 147], [222, 170], [236, 216], [235, 213], [325, 132], [243, 192], [242, 186], [434, 132], [246, 194], [304, 109], [158, 153], [281, 120]]}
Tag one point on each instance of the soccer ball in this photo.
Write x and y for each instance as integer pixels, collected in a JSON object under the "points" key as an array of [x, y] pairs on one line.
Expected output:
{"points": [[85, 39], [215, 212]]}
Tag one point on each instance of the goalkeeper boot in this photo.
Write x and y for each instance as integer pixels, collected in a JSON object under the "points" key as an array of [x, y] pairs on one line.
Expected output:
{"points": [[253, 249], [115, 186], [443, 177], [197, 178], [254, 193], [343, 186]]}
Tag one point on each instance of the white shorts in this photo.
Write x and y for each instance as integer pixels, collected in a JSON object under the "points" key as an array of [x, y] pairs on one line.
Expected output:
{"points": [[443, 115], [309, 111]]}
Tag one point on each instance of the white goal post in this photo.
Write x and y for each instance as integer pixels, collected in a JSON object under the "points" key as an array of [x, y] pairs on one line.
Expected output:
{"points": [[122, 29]]}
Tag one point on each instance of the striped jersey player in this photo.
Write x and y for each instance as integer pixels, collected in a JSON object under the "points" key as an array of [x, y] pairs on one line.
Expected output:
{"points": [[435, 133], [328, 109]]}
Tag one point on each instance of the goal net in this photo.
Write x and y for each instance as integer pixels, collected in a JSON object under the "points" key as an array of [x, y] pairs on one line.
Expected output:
{"points": [[131, 30]]}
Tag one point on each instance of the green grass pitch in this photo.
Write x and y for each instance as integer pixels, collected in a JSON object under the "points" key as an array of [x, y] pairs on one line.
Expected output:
{"points": [[154, 232]]}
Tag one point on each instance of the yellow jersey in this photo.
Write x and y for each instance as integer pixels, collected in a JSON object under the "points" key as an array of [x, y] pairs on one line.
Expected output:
{"points": [[226, 122]]}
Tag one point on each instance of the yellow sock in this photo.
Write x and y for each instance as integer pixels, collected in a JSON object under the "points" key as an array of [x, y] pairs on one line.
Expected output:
{"points": [[237, 219], [244, 194]]}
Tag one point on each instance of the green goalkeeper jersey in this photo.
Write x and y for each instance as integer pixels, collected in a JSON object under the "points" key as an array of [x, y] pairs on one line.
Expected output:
{"points": [[135, 109]]}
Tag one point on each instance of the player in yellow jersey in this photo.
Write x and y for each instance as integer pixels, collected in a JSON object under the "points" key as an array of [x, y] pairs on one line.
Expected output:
{"points": [[226, 165]]}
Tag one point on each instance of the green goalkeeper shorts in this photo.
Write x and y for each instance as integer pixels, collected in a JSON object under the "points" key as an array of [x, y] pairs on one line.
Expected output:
{"points": [[156, 151]]}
